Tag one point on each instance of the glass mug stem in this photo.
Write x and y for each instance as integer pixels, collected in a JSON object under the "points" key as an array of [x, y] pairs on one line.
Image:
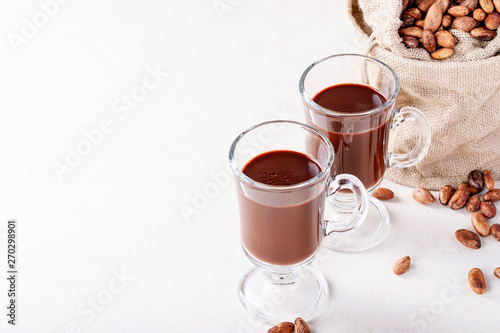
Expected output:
{"points": [[418, 152], [282, 277]]}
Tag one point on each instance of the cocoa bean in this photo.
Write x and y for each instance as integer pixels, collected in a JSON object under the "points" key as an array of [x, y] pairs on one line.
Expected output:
{"points": [[496, 272], [464, 23], [470, 4], [483, 33], [496, 3], [476, 180], [444, 38], [480, 224], [487, 6], [407, 20], [459, 198], [495, 231], [458, 11], [411, 42], [414, 12], [429, 41], [301, 326], [284, 327], [442, 53], [445, 194], [443, 5], [383, 193], [488, 209], [476, 281], [447, 19], [401, 266], [423, 196], [468, 238], [492, 195], [411, 32], [478, 14], [473, 204], [405, 4], [433, 18], [489, 180], [419, 23], [492, 21], [425, 5]]}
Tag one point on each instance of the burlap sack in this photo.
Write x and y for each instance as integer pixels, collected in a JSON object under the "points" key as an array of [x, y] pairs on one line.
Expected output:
{"points": [[460, 97]]}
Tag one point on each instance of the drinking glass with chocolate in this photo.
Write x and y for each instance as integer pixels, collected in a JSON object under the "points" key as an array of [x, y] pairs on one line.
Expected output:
{"points": [[351, 99], [282, 174]]}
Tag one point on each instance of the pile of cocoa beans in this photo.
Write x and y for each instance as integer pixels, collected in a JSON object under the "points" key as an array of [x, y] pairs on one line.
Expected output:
{"points": [[467, 195], [426, 23]]}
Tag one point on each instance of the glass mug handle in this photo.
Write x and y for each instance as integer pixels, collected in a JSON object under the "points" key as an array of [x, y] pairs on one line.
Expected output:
{"points": [[418, 152], [355, 204]]}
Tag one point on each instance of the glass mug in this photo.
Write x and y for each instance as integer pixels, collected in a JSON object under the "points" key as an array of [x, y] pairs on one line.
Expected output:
{"points": [[283, 225], [350, 98]]}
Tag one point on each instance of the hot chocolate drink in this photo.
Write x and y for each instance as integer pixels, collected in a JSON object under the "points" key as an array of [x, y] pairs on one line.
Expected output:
{"points": [[361, 153], [274, 232]]}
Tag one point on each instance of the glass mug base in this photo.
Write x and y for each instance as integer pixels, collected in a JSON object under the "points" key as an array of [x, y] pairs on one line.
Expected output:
{"points": [[371, 232], [268, 300]]}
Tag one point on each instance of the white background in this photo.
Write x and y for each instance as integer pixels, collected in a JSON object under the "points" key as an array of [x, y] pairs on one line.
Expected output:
{"points": [[139, 232]]}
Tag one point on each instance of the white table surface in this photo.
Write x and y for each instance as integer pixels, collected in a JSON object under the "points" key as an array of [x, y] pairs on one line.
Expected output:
{"points": [[103, 243]]}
